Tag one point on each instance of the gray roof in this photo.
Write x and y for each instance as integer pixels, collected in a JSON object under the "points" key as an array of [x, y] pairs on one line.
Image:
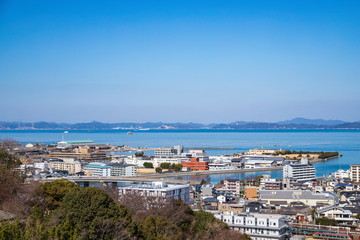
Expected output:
{"points": [[296, 194]]}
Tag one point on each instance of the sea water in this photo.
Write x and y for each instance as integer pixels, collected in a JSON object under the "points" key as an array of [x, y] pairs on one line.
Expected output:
{"points": [[344, 141]]}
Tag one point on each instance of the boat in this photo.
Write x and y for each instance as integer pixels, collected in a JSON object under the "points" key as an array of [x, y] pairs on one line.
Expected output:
{"points": [[144, 129], [129, 133]]}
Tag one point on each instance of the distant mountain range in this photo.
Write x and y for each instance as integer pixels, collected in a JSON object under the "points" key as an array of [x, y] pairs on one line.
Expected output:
{"points": [[296, 123]]}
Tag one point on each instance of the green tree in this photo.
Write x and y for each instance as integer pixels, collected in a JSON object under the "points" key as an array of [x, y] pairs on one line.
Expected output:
{"points": [[54, 192], [139, 154], [159, 228], [165, 165], [202, 221], [92, 213], [178, 167], [148, 165], [158, 170], [326, 221]]}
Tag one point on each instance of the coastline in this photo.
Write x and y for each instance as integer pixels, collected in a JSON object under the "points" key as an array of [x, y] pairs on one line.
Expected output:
{"points": [[242, 170]]}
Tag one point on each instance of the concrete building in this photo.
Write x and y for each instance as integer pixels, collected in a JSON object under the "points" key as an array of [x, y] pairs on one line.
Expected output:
{"points": [[307, 197], [66, 164], [219, 166], [97, 169], [257, 225], [278, 160], [109, 169], [271, 184], [234, 185], [249, 164], [118, 169], [294, 172], [200, 154], [340, 174], [158, 190], [66, 144], [355, 172], [195, 164], [172, 160], [168, 152]]}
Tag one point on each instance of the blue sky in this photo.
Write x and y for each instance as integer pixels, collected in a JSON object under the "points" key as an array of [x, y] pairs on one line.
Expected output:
{"points": [[200, 61]]}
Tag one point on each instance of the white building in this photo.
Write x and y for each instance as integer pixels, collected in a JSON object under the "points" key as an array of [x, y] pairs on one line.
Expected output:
{"points": [[169, 152], [216, 166], [355, 173], [302, 171], [97, 169], [117, 170], [109, 169], [66, 144], [339, 174], [249, 164], [159, 190], [42, 165], [201, 154], [339, 214], [257, 225], [172, 160]]}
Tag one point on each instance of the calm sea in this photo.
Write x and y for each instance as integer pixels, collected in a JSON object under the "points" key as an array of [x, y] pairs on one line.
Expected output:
{"points": [[347, 142]]}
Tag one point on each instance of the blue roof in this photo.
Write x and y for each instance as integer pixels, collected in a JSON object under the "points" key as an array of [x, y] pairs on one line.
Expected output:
{"points": [[98, 166]]}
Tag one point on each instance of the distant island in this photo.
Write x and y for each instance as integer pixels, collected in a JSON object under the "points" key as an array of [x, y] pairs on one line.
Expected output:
{"points": [[296, 123]]}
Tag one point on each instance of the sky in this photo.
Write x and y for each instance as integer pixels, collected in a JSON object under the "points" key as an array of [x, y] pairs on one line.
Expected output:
{"points": [[179, 61]]}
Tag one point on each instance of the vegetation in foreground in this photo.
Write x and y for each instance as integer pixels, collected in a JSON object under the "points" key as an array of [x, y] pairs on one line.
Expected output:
{"points": [[62, 210]]}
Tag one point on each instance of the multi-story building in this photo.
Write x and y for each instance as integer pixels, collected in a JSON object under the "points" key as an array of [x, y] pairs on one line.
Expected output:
{"points": [[66, 144], [168, 152], [109, 169], [257, 225], [294, 172], [117, 169], [172, 160], [81, 155], [194, 164], [259, 164], [66, 164], [97, 169], [200, 154], [271, 184], [234, 185], [158, 190], [340, 174], [355, 172]]}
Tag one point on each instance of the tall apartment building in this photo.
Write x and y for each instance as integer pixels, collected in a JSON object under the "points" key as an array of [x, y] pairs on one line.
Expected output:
{"points": [[168, 152], [235, 186], [66, 164], [302, 171], [355, 172], [257, 225]]}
